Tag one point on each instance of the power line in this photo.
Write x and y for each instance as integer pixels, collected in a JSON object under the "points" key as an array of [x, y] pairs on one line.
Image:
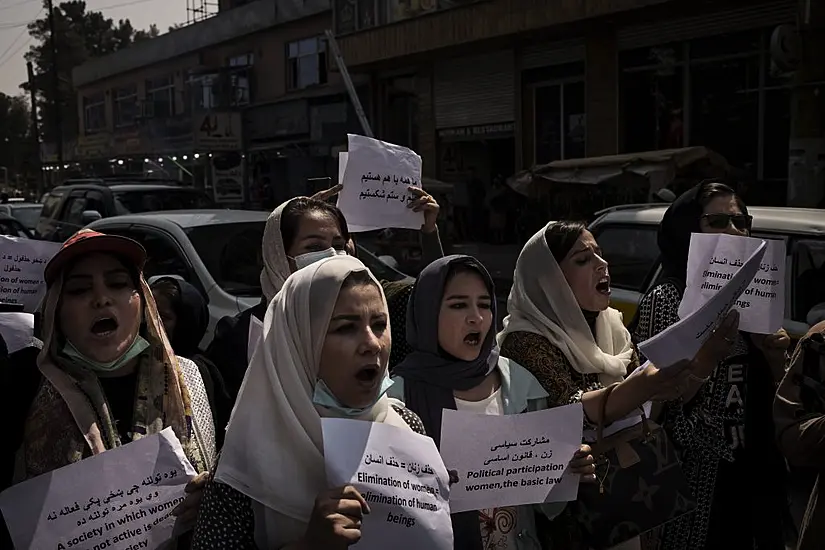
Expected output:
{"points": [[3, 55], [15, 52], [10, 6]]}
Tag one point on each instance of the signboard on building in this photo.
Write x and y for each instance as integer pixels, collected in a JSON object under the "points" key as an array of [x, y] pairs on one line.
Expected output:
{"points": [[227, 178], [94, 146], [127, 143], [483, 131], [277, 120], [218, 132]]}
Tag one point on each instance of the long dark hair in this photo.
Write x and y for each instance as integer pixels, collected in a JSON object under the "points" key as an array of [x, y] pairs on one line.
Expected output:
{"points": [[561, 236], [297, 208]]}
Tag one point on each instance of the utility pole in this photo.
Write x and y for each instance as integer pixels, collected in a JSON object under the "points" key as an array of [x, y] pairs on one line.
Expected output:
{"points": [[353, 95], [35, 130], [58, 126]]}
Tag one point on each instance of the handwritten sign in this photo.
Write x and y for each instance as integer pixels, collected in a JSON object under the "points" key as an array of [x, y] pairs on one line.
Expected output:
{"points": [[681, 340], [121, 499], [22, 262], [715, 258], [400, 474], [377, 177], [513, 459]]}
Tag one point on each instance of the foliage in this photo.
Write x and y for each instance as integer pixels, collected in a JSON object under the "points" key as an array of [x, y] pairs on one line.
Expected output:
{"points": [[80, 35], [16, 152]]}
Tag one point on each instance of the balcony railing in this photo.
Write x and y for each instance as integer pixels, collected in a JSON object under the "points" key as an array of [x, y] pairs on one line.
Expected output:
{"points": [[358, 15]]}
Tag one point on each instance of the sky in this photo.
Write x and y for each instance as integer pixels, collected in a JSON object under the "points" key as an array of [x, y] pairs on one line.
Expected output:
{"points": [[15, 14]]}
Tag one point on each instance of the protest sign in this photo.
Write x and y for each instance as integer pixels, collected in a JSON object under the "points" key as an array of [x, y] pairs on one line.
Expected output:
{"points": [[376, 179], [513, 459], [400, 474], [715, 258], [22, 262], [256, 330], [681, 340], [17, 330], [120, 500]]}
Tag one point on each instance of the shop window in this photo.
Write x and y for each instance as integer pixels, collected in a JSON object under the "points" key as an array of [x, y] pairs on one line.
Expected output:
{"points": [[126, 106], [306, 63], [808, 273], [631, 253], [203, 92], [653, 110], [725, 109], [559, 121], [94, 113], [239, 79], [160, 97], [740, 43]]}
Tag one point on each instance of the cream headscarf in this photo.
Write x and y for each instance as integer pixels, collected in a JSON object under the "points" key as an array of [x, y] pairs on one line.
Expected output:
{"points": [[274, 446], [276, 267], [542, 302]]}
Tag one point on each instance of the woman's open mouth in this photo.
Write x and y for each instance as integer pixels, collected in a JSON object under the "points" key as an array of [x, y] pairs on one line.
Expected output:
{"points": [[473, 339], [105, 326], [368, 375], [603, 286]]}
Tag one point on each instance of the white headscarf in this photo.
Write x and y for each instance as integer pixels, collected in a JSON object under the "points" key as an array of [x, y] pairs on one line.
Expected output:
{"points": [[276, 267], [542, 302], [273, 451]]}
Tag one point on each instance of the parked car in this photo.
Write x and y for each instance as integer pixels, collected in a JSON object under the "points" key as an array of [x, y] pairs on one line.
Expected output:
{"points": [[628, 237], [27, 213], [12, 227], [77, 203], [218, 251]]}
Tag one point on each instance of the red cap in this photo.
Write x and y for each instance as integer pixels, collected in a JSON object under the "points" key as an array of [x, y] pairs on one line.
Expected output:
{"points": [[87, 241]]}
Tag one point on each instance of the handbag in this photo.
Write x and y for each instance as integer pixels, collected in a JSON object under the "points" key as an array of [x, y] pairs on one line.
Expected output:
{"points": [[639, 485]]}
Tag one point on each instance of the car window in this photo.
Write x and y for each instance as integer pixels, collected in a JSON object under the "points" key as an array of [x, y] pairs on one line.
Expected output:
{"points": [[231, 254], [133, 202], [94, 201], [74, 212], [631, 252], [50, 204], [11, 228], [808, 263], [162, 255], [27, 215]]}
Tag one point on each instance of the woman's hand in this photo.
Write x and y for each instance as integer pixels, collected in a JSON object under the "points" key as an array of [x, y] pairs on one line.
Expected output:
{"points": [[425, 202], [187, 510], [335, 522], [775, 349], [718, 346], [584, 465], [668, 383]]}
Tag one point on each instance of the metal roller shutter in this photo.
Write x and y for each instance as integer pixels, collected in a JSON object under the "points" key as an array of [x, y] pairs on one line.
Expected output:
{"points": [[722, 22], [552, 53], [475, 90]]}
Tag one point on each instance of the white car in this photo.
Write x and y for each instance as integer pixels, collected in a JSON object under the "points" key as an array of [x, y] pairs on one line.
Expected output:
{"points": [[218, 251]]}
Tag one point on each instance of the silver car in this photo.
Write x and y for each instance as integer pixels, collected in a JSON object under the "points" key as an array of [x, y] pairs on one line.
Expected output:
{"points": [[218, 251]]}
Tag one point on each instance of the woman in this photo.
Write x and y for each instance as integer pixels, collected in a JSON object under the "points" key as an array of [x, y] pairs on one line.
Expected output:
{"points": [[560, 327], [323, 353], [107, 373], [455, 365], [185, 316], [298, 233], [728, 437]]}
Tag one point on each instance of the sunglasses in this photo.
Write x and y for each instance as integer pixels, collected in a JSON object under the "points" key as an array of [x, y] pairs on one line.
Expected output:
{"points": [[723, 221]]}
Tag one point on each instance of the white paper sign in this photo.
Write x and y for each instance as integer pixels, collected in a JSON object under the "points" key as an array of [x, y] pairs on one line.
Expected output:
{"points": [[17, 330], [376, 179], [512, 459], [22, 262], [400, 474], [121, 499], [681, 340], [256, 330], [713, 260]]}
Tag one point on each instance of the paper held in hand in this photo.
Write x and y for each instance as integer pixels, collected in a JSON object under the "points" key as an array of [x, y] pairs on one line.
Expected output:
{"points": [[120, 499], [376, 179], [681, 340], [400, 474], [22, 262], [715, 258], [511, 460]]}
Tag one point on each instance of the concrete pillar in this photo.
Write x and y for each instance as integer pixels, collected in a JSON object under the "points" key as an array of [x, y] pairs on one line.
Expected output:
{"points": [[427, 146], [602, 91], [806, 163]]}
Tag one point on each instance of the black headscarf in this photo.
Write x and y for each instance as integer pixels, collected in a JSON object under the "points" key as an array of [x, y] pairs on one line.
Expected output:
{"points": [[431, 375], [193, 318], [682, 218]]}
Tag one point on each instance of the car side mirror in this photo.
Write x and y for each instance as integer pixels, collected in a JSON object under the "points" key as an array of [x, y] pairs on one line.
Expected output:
{"points": [[90, 216]]}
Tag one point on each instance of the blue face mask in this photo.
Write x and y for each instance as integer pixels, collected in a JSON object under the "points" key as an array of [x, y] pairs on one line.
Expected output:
{"points": [[137, 347], [324, 397], [303, 260]]}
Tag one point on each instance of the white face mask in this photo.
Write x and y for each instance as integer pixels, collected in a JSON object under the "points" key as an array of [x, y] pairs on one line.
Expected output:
{"points": [[303, 260]]}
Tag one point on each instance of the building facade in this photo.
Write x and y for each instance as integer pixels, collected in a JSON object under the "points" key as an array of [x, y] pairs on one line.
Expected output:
{"points": [[485, 88], [245, 103]]}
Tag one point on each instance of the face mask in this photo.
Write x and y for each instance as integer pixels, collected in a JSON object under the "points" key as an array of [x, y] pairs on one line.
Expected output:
{"points": [[303, 260], [137, 347], [324, 397]]}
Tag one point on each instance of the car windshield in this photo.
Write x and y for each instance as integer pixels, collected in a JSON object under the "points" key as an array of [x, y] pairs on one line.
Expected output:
{"points": [[28, 215], [231, 254], [133, 202]]}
